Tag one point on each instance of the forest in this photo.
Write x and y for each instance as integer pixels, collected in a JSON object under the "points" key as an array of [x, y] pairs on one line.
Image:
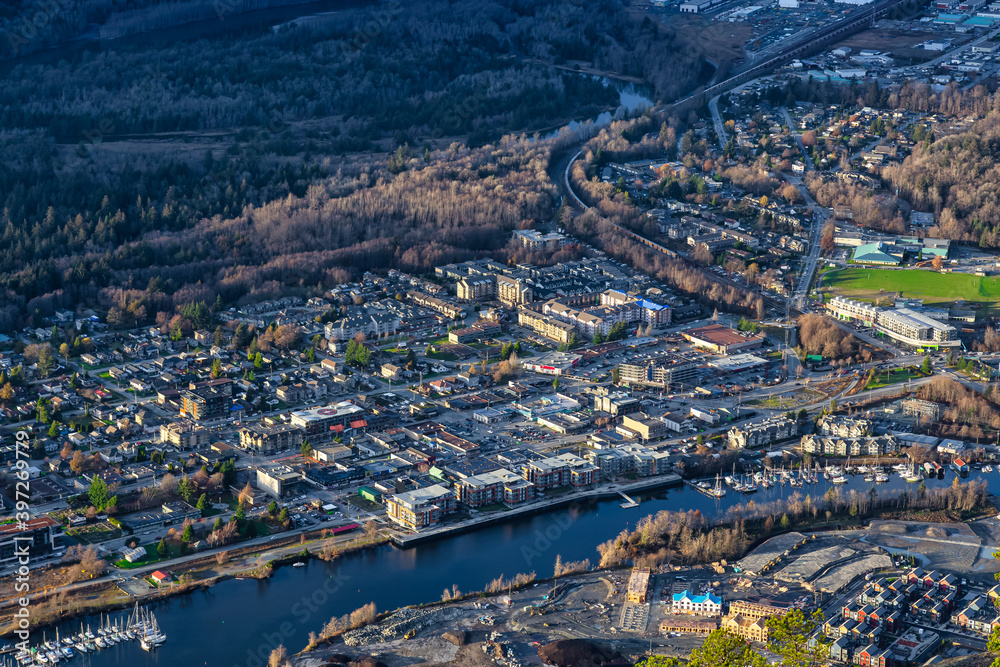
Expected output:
{"points": [[957, 177], [246, 164]]}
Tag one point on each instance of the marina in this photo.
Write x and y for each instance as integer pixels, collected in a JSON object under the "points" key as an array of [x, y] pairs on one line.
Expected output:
{"points": [[305, 598], [140, 626]]}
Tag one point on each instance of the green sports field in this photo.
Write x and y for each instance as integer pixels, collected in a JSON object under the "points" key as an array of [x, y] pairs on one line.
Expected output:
{"points": [[931, 286]]}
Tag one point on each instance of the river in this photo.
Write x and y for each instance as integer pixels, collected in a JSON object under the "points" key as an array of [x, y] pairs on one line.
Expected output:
{"points": [[226, 624]]}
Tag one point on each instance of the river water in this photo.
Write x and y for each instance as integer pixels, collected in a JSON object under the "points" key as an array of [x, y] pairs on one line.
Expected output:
{"points": [[228, 623]]}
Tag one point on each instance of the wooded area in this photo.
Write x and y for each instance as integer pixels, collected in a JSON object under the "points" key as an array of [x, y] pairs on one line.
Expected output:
{"points": [[243, 165]]}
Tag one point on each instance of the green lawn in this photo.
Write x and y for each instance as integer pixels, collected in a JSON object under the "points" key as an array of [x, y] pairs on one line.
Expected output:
{"points": [[928, 285], [893, 376]]}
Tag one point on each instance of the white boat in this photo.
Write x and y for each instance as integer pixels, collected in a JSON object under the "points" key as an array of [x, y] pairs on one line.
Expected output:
{"points": [[987, 468], [881, 478], [299, 564], [839, 479]]}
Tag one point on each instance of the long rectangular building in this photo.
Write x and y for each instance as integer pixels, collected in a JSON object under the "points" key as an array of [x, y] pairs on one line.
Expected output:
{"points": [[902, 324]]}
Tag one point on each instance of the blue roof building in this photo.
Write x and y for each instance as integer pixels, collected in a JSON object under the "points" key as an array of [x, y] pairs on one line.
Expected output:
{"points": [[708, 604]]}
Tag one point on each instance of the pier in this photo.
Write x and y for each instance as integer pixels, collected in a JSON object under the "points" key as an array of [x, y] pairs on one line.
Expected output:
{"points": [[629, 503]]}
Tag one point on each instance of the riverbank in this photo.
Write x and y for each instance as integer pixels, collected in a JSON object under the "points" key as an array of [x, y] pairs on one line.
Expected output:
{"points": [[295, 601], [122, 589], [667, 481]]}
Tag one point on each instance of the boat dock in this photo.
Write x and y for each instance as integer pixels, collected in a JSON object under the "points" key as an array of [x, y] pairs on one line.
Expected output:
{"points": [[629, 503]]}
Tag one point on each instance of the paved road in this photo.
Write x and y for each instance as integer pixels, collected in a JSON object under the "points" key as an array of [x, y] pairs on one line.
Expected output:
{"points": [[948, 55], [798, 140], [720, 127], [808, 266]]}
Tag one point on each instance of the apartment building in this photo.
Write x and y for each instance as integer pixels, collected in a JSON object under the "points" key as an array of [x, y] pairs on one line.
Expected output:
{"points": [[497, 486], [40, 535], [762, 433], [205, 403], [537, 241], [321, 425], [421, 507], [513, 291], [902, 324], [476, 289], [545, 325], [184, 435], [263, 439], [562, 470], [673, 372]]}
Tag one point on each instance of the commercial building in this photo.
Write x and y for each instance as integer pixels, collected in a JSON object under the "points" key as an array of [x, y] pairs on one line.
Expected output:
{"points": [[39, 535], [738, 363], [762, 433], [615, 402], [648, 428], [321, 425], [263, 439], [421, 507], [722, 339], [673, 372], [279, 481], [638, 585], [551, 363], [332, 454]]}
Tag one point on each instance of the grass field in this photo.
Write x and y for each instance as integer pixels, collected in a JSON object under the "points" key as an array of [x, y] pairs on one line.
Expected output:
{"points": [[931, 286], [893, 376]]}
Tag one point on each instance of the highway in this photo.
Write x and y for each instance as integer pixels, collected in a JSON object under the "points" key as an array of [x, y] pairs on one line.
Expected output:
{"points": [[857, 20]]}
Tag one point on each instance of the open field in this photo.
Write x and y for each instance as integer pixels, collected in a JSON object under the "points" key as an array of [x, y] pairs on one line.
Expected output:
{"points": [[893, 376], [870, 284]]}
